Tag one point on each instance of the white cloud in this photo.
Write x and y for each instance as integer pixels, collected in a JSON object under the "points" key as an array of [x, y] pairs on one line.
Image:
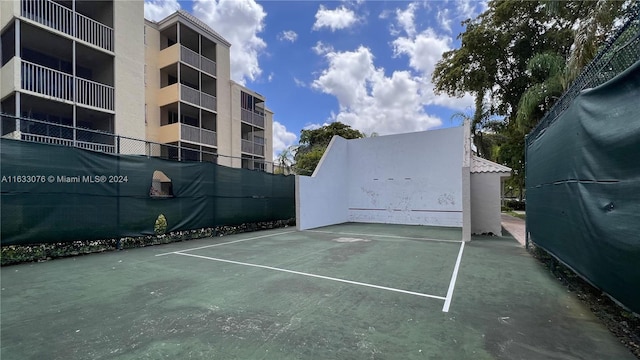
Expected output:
{"points": [[157, 10], [282, 138], [298, 82], [339, 18], [240, 22], [424, 50], [321, 48], [470, 8], [406, 18], [270, 77], [444, 20], [384, 14], [370, 101], [314, 126], [288, 35]]}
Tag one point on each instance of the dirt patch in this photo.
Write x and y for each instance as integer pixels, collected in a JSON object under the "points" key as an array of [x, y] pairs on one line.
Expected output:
{"points": [[345, 251], [622, 323]]}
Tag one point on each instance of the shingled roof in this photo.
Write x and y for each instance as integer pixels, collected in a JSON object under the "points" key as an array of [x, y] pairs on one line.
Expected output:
{"points": [[480, 165]]}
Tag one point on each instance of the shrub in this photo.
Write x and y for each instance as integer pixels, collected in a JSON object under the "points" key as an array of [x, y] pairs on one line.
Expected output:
{"points": [[161, 225]]}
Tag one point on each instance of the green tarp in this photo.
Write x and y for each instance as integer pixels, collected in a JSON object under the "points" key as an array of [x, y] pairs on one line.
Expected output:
{"points": [[583, 187], [56, 194]]}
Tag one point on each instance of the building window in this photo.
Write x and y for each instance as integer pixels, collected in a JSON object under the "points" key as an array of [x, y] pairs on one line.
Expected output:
{"points": [[247, 101]]}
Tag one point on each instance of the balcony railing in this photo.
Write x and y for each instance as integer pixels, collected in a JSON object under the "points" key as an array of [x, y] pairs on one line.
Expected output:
{"points": [[252, 117], [198, 135], [208, 66], [45, 81], [67, 142], [209, 137], [251, 147], [190, 57], [94, 32], [59, 85], [198, 61], [94, 94], [197, 97], [63, 19], [189, 94], [209, 102]]}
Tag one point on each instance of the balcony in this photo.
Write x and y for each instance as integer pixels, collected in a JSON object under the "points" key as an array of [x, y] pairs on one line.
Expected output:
{"points": [[58, 134], [105, 148], [94, 94], [198, 61], [198, 135], [169, 94], [251, 147], [47, 82], [196, 97], [65, 20], [251, 117], [177, 52], [182, 132], [60, 86]]}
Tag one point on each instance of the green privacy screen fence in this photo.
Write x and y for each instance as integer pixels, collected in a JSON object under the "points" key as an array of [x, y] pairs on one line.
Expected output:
{"points": [[57, 194], [583, 173]]}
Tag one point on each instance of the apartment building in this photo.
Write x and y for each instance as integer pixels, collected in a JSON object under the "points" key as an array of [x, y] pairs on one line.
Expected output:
{"points": [[61, 61], [94, 69], [252, 129]]}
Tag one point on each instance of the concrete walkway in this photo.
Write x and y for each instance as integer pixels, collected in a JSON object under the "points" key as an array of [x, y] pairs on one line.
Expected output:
{"points": [[515, 227]]}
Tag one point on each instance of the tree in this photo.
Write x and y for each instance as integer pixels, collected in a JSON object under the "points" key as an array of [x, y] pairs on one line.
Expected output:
{"points": [[495, 49], [550, 80], [314, 142], [595, 20], [284, 161], [514, 53]]}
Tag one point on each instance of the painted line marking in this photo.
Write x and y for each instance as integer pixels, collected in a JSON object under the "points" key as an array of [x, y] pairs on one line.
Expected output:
{"points": [[224, 243], [386, 236], [419, 210], [452, 284], [313, 275]]}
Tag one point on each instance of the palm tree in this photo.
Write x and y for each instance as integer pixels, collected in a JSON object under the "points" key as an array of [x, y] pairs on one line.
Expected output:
{"points": [[480, 118], [550, 79], [285, 160]]}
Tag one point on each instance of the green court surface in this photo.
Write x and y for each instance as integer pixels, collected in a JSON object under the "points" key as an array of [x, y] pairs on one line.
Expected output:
{"points": [[351, 291]]}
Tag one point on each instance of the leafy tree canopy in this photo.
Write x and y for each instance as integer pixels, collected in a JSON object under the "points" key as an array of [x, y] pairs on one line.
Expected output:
{"points": [[519, 56], [314, 142]]}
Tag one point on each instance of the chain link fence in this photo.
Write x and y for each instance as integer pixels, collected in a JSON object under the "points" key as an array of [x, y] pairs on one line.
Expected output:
{"points": [[33, 130]]}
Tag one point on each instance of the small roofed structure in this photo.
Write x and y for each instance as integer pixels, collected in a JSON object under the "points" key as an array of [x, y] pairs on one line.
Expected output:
{"points": [[486, 185]]}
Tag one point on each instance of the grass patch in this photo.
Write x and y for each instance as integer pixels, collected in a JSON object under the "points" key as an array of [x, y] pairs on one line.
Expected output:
{"points": [[515, 214]]}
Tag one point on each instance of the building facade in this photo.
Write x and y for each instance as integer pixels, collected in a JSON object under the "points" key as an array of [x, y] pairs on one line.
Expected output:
{"points": [[87, 71], [61, 62]]}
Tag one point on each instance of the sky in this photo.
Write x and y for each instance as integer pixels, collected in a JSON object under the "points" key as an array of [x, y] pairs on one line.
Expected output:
{"points": [[367, 64]]}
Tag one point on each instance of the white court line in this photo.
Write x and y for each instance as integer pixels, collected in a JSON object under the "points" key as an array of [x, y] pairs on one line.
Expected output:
{"points": [[313, 275], [452, 284], [387, 236], [224, 243]]}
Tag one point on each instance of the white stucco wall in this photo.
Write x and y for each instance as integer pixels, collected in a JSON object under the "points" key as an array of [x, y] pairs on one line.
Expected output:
{"points": [[412, 178], [485, 203], [322, 199]]}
